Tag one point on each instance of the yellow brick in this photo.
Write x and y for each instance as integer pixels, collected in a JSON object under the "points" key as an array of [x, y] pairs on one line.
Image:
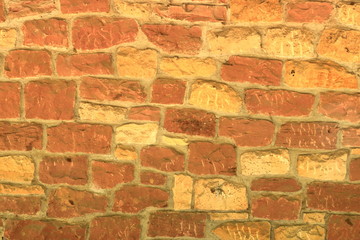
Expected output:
{"points": [[8, 38], [125, 153], [228, 216], [133, 133], [16, 169], [134, 10], [101, 113], [303, 232], [182, 192], [21, 190], [255, 10], [355, 151], [349, 14], [174, 141], [243, 231], [314, 218]]}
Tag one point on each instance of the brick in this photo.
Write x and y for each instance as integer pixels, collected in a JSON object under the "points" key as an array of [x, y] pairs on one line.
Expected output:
{"points": [[194, 13], [101, 113], [102, 32], [316, 135], [276, 184], [228, 216], [340, 106], [20, 136], [8, 38], [354, 169], [84, 64], [140, 11], [343, 227], [152, 178], [318, 74], [146, 113], [190, 121], [58, 169], [340, 45], [168, 91], [174, 141], [112, 90], [235, 40], [182, 192], [326, 166], [312, 232], [133, 133], [162, 158], [174, 38], [40, 229], [177, 224], [255, 11], [9, 100], [27, 63], [16, 169], [275, 208], [212, 158], [180, 67], [215, 96], [308, 11], [49, 32], [125, 153], [333, 196], [133, 199], [247, 132], [234, 230], [137, 63], [117, 228], [349, 14], [8, 189], [2, 11], [252, 70], [29, 205], [20, 8], [268, 162], [351, 137], [78, 6], [65, 202], [50, 99], [314, 218], [74, 137], [110, 174], [289, 42], [218, 194]]}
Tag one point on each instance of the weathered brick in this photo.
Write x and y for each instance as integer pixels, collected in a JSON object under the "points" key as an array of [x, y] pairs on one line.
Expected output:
{"points": [[351, 137], [27, 63], [74, 137], [2, 11], [247, 132], [212, 158], [252, 70], [193, 13], [152, 178], [174, 38], [50, 99], [8, 38], [276, 185], [182, 192], [255, 11], [71, 170], [314, 218], [16, 169], [110, 174], [174, 141], [354, 169], [313, 232], [9, 189], [177, 224], [84, 64], [168, 91], [190, 121], [223, 216], [49, 32], [132, 199], [101, 113], [162, 158], [139, 10], [343, 227], [9, 100], [146, 113], [78, 6], [29, 205], [308, 11], [238, 230], [278, 102], [127, 153], [65, 202], [349, 13], [317, 135], [276, 208], [20, 8], [133, 133]]}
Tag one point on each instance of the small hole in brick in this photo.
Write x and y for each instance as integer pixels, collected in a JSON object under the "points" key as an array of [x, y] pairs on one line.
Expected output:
{"points": [[348, 221], [71, 202], [68, 159], [293, 72]]}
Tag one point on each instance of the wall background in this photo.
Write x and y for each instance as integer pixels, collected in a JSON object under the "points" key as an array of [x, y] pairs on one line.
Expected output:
{"points": [[231, 120]]}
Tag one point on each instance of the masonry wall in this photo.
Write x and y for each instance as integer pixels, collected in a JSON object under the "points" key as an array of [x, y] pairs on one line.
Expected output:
{"points": [[155, 120]]}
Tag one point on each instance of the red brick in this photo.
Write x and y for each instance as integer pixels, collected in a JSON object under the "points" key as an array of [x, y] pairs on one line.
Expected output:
{"points": [[190, 121], [253, 70], [59, 169], [309, 11], [174, 38], [50, 99], [146, 113], [193, 13], [212, 158], [2, 11], [66, 203], [355, 169], [247, 132], [115, 228], [340, 106], [21, 8], [152, 178], [278, 102], [351, 137], [42, 230], [20, 136], [177, 224], [276, 208], [102, 32], [78, 6], [276, 185], [9, 100], [333, 196], [167, 91], [109, 174], [112, 90], [341, 227], [20, 205], [84, 64], [73, 137], [316, 135], [132, 199], [27, 63], [162, 158]]}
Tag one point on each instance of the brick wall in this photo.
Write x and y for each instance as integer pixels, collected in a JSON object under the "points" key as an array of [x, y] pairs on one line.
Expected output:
{"points": [[195, 119]]}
